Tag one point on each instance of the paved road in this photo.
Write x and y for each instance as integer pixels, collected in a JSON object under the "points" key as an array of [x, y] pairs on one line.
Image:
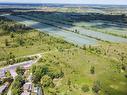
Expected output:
{"points": [[12, 68], [25, 64], [2, 88]]}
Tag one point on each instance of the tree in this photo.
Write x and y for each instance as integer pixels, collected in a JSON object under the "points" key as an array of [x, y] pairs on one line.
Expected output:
{"points": [[35, 78], [20, 41], [10, 58], [8, 74], [96, 86], [85, 88], [55, 73], [92, 70], [38, 72], [20, 70], [16, 91], [69, 83], [46, 81], [17, 84], [6, 42], [11, 35], [84, 47]]}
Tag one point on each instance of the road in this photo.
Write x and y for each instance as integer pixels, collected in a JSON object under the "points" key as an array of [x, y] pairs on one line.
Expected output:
{"points": [[25, 64], [2, 88]]}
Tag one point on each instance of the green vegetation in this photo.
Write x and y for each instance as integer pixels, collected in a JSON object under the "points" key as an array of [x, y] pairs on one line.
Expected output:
{"points": [[91, 70], [96, 86], [8, 74], [46, 81], [65, 69], [18, 40], [17, 85], [39, 71], [20, 71], [85, 88], [10, 60]]}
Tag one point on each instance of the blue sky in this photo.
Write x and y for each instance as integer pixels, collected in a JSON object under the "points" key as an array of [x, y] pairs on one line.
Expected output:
{"points": [[70, 1]]}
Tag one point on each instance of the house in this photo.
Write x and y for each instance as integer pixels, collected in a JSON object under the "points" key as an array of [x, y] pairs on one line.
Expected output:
{"points": [[25, 93], [27, 87]]}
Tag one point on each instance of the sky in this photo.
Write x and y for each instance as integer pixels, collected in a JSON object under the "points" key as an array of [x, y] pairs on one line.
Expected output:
{"points": [[118, 2]]}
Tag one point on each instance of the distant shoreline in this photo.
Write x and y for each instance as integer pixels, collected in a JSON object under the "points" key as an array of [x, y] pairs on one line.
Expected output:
{"points": [[59, 4]]}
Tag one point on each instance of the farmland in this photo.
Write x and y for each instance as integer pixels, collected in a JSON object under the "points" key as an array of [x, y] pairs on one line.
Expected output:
{"points": [[73, 51]]}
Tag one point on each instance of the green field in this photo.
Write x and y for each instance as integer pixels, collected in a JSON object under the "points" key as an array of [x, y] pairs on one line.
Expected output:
{"points": [[66, 69], [76, 64], [23, 42]]}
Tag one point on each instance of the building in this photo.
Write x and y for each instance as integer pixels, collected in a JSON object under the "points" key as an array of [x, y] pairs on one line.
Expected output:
{"points": [[25, 93], [27, 88]]}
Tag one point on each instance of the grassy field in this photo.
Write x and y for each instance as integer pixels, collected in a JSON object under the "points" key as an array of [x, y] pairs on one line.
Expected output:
{"points": [[101, 68], [76, 65], [26, 42]]}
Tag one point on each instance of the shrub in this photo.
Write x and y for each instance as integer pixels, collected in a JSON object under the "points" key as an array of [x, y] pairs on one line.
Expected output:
{"points": [[11, 35], [6, 42], [96, 86], [17, 84], [46, 81], [20, 70], [92, 70], [85, 88], [55, 73], [8, 74]]}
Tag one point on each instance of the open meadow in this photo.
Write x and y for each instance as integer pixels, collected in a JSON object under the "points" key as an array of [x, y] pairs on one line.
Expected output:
{"points": [[76, 51]]}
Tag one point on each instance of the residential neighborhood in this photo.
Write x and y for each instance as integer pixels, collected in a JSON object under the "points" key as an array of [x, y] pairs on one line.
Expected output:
{"points": [[28, 86]]}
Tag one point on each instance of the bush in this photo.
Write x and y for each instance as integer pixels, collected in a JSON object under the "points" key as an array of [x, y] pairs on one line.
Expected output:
{"points": [[20, 70], [55, 73], [6, 42], [12, 35], [17, 84], [92, 70], [96, 86], [8, 74], [85, 88], [46, 81], [41, 70]]}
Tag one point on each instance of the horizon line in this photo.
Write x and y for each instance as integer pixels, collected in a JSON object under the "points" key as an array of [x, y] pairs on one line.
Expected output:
{"points": [[59, 3]]}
